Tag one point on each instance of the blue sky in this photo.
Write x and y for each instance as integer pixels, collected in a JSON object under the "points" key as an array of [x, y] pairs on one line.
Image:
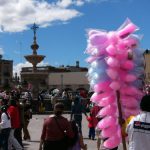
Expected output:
{"points": [[63, 24]]}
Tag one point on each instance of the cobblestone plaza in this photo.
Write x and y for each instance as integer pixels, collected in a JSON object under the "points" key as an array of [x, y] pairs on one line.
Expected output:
{"points": [[35, 128]]}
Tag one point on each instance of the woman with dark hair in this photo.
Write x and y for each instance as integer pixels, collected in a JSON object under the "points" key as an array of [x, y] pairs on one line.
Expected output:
{"points": [[77, 141], [55, 128], [138, 129], [5, 127]]}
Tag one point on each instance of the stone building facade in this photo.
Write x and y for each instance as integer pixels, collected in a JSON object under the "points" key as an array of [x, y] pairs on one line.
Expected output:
{"points": [[68, 80], [50, 77], [67, 77], [6, 72]]}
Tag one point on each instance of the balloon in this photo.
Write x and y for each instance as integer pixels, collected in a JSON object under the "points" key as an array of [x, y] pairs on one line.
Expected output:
{"points": [[107, 100], [96, 69], [127, 30], [131, 42], [139, 52], [139, 72], [113, 37], [115, 85], [127, 98], [98, 38], [128, 77], [91, 59], [96, 52], [102, 86], [90, 71], [97, 77], [110, 110], [112, 73], [111, 50], [99, 63], [93, 31], [110, 131], [129, 102], [116, 65], [122, 46], [130, 112], [121, 56], [112, 142], [107, 122], [130, 90], [112, 62], [128, 64], [97, 97]]}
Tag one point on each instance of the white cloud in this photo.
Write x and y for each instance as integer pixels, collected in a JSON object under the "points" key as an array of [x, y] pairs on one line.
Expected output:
{"points": [[80, 2], [101, 1], [67, 3], [1, 51], [64, 3], [16, 15], [17, 68]]}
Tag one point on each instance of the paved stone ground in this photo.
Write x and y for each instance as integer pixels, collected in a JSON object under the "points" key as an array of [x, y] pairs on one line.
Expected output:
{"points": [[35, 128]]}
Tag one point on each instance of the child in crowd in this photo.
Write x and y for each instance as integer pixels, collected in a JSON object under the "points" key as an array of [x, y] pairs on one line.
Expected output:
{"points": [[91, 126]]}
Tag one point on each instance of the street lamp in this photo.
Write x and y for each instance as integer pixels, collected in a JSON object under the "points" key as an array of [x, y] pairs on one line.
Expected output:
{"points": [[61, 77]]}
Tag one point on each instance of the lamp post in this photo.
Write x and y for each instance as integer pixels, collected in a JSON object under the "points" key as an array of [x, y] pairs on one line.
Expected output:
{"points": [[61, 77]]}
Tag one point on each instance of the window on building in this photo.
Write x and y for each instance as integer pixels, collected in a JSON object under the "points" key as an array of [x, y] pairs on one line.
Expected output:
{"points": [[6, 71], [148, 75], [6, 82], [81, 85], [68, 86], [54, 86]]}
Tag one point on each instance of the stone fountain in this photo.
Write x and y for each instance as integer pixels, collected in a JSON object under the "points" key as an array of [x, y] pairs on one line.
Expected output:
{"points": [[34, 59], [35, 76]]}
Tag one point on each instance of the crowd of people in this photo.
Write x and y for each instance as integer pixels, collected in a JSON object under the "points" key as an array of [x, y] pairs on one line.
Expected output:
{"points": [[15, 116], [66, 96], [71, 128], [60, 133], [56, 128]]}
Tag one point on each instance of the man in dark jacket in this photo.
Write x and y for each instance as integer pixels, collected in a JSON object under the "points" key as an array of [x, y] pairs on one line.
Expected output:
{"points": [[76, 112]]}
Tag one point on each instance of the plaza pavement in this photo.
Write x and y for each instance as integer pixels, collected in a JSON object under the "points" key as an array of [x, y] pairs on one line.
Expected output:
{"points": [[35, 127]]}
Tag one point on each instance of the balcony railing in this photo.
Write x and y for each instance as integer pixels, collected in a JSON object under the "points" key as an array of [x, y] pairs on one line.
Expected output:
{"points": [[39, 69]]}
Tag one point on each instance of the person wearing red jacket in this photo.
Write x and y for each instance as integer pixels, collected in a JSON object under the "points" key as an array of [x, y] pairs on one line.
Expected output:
{"points": [[94, 111], [15, 124], [91, 127], [55, 128]]}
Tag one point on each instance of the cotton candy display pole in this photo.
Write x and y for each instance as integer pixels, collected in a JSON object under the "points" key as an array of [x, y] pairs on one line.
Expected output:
{"points": [[121, 119], [115, 71]]}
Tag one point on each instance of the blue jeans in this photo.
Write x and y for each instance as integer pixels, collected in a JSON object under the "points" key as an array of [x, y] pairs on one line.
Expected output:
{"points": [[92, 132], [78, 120], [5, 135]]}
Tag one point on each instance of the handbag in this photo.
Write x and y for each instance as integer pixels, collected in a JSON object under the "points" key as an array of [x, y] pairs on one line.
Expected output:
{"points": [[68, 141]]}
